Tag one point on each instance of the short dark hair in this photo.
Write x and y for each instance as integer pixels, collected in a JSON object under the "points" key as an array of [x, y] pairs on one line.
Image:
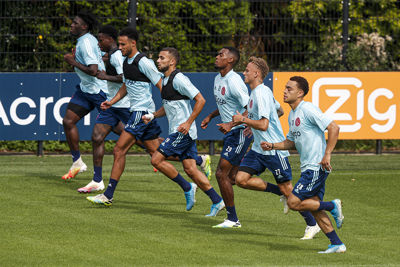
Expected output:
{"points": [[88, 18], [129, 32], [301, 83], [174, 52], [235, 52], [110, 31]]}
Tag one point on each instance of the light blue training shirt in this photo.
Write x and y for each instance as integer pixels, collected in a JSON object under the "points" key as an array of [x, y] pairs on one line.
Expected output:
{"points": [[231, 95], [178, 111], [262, 104], [116, 60], [307, 124], [139, 93], [87, 52]]}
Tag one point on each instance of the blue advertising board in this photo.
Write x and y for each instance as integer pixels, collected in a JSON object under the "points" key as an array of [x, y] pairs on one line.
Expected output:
{"points": [[32, 106]]}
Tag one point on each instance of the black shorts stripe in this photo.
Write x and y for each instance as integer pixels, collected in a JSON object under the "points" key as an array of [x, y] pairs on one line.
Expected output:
{"points": [[78, 110]]}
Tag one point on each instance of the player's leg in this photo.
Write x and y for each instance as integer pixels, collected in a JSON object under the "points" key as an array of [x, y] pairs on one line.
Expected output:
{"points": [[124, 143], [158, 160], [324, 222], [99, 133], [189, 166], [73, 114]]}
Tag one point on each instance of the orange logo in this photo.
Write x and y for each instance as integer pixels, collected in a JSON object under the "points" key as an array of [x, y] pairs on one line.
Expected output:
{"points": [[366, 105]]}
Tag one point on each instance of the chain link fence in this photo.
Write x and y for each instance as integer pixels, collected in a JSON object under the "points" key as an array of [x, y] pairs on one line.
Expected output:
{"points": [[291, 35]]}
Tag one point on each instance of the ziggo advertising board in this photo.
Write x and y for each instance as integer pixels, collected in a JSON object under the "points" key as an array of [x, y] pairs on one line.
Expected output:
{"points": [[366, 105]]}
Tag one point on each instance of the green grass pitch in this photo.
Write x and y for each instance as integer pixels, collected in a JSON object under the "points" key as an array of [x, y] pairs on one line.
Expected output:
{"points": [[44, 221]]}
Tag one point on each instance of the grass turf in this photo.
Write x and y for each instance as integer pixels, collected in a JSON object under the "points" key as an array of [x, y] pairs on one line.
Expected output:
{"points": [[44, 221]]}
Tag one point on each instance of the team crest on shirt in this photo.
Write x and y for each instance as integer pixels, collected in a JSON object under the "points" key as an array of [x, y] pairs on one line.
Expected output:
{"points": [[251, 103], [297, 122], [223, 91]]}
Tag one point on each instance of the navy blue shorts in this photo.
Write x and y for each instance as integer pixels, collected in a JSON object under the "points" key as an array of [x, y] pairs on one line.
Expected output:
{"points": [[88, 101], [113, 115], [256, 163], [139, 129], [178, 144], [235, 146], [310, 184]]}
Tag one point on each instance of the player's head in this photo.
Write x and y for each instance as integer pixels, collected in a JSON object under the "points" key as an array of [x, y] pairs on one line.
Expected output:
{"points": [[127, 40], [167, 58], [227, 57], [82, 23], [107, 37], [295, 89], [256, 70]]}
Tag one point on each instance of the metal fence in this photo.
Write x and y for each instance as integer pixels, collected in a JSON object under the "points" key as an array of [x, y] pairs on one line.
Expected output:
{"points": [[291, 35]]}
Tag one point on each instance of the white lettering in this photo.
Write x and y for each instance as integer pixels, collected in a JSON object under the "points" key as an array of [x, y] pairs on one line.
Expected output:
{"points": [[43, 104], [389, 115], [57, 107], [3, 115], [13, 110]]}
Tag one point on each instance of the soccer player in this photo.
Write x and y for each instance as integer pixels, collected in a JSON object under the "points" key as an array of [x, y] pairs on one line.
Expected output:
{"points": [[265, 125], [177, 91], [139, 73], [231, 95], [91, 92], [114, 118], [306, 133]]}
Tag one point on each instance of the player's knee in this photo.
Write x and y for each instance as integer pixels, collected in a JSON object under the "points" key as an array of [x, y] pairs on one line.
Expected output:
{"points": [[155, 162], [190, 171], [240, 181], [293, 204], [67, 123], [118, 152], [219, 174], [97, 139]]}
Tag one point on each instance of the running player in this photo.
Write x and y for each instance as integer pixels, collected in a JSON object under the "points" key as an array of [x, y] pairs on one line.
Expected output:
{"points": [[231, 95], [177, 91], [306, 123], [265, 125], [90, 93], [114, 118], [139, 73]]}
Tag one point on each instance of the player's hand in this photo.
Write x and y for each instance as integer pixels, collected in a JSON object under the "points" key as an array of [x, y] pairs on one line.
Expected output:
{"points": [[266, 146], [101, 74], [237, 117], [184, 128], [248, 132], [73, 51], [147, 118], [225, 127], [69, 58], [205, 122], [326, 163], [105, 105]]}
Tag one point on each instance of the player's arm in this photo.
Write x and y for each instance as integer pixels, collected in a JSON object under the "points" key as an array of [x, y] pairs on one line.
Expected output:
{"points": [[90, 69], [118, 96], [157, 114], [284, 145], [280, 112], [207, 119], [261, 124], [198, 106], [333, 134], [102, 75]]}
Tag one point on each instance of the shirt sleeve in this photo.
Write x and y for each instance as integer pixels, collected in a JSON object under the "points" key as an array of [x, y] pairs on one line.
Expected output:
{"points": [[277, 104], [148, 68], [316, 117], [239, 91], [116, 61], [184, 86], [88, 53], [289, 135], [263, 105]]}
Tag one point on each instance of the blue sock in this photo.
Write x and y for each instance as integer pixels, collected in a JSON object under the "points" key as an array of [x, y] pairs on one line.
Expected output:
{"points": [[75, 155], [185, 185], [326, 205], [274, 189], [199, 160], [109, 193], [231, 211], [97, 176], [310, 221], [215, 198], [333, 237]]}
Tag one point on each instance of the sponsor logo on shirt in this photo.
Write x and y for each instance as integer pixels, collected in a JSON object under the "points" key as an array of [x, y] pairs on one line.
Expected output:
{"points": [[297, 122]]}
